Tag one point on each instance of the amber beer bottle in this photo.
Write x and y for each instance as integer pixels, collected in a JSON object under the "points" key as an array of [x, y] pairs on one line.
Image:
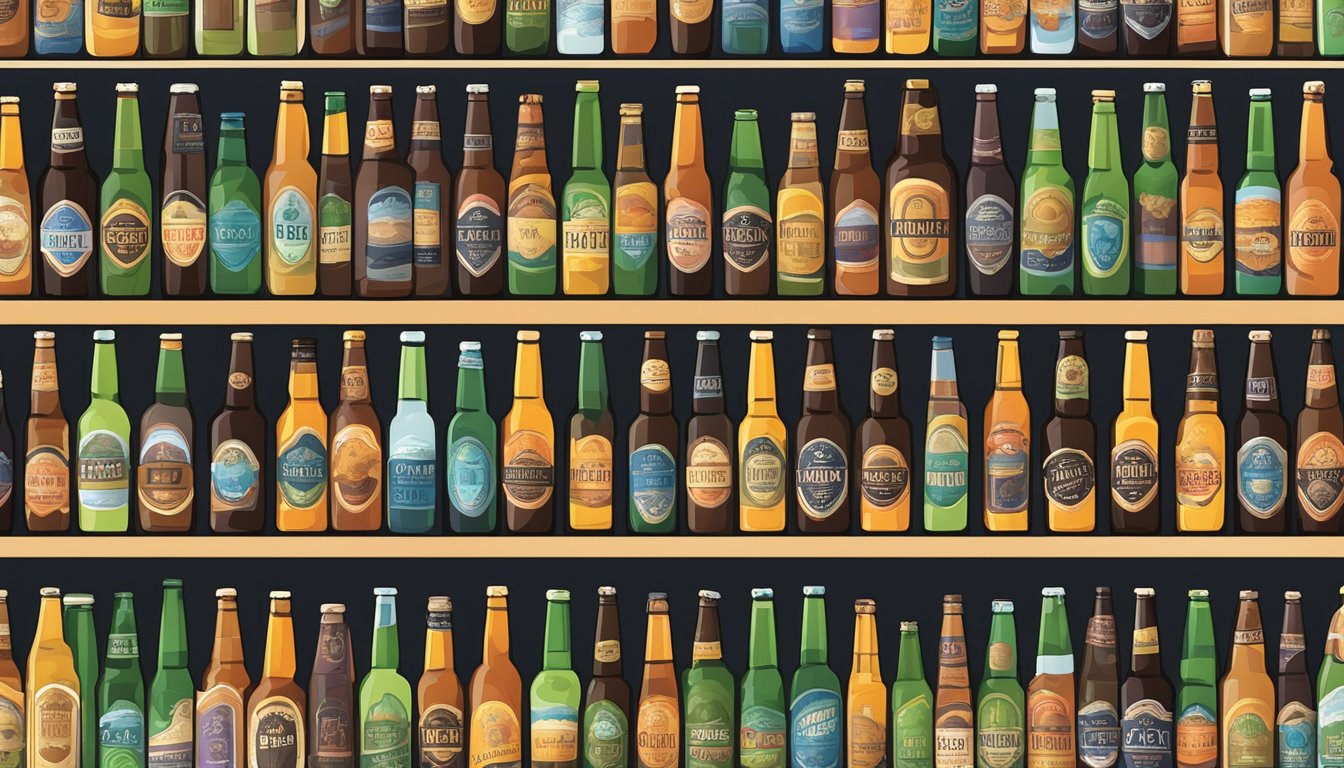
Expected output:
{"points": [[332, 688], [46, 465], [1007, 446], [1201, 477], [182, 185], [1319, 461], [606, 703], [953, 715], [1146, 735], [68, 196], [1295, 699], [882, 445], [710, 444], [276, 727], [355, 437], [822, 439], [433, 194], [289, 190], [991, 221], [1247, 716], [801, 214], [921, 185], [496, 737], [335, 195], [531, 209], [221, 704], [658, 723], [1099, 688], [1135, 506], [237, 440], [1313, 205], [688, 202], [634, 26], [11, 688], [382, 206], [439, 693], [479, 228], [16, 205], [1262, 440], [477, 27], [855, 195], [1069, 471], [1201, 200], [527, 434], [1196, 26]]}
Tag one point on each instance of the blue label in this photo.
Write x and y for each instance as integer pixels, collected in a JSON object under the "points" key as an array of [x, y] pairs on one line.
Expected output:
{"points": [[1006, 470], [800, 17], [1105, 230], [581, 18], [856, 235], [1146, 735], [822, 476], [1098, 734], [955, 20], [410, 474], [814, 724], [382, 16], [471, 476], [67, 237], [235, 235], [1297, 736], [234, 470], [388, 234], [428, 212], [946, 464], [60, 35], [303, 470], [636, 247], [653, 482], [6, 475], [123, 726], [1262, 477], [1038, 263]]}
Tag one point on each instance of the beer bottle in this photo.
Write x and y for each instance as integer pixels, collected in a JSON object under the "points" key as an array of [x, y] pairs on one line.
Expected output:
{"points": [[332, 721], [182, 188], [586, 202], [334, 204], [822, 441], [527, 26], [225, 686], [1099, 688], [1319, 461], [472, 447], [911, 704], [331, 27], [379, 28], [301, 447], [384, 695], [1155, 193], [1313, 197], [815, 708], [433, 229], [800, 26], [1007, 444], [761, 441], [746, 27], [355, 436], [218, 28], [234, 231], [747, 230], [856, 26], [882, 445], [15, 33], [947, 462], [52, 702], [991, 228], [237, 440], [866, 705], [531, 204], [1047, 225], [762, 713], [921, 184], [954, 720], [6, 468], [528, 437], [82, 639], [1262, 439], [125, 204], [635, 218], [658, 723], [58, 30], [1330, 686], [275, 710], [634, 26], [1000, 739], [112, 29], [171, 693], [1051, 705], [165, 481], [654, 444], [1003, 27], [412, 439], [1196, 27], [1247, 692], [955, 27], [121, 692], [1145, 696], [479, 226], [1258, 230], [1105, 213], [691, 28], [579, 27], [46, 465], [1052, 26], [802, 214], [1296, 701], [688, 202], [554, 701], [290, 189], [16, 206], [384, 226], [908, 25], [68, 196], [439, 696], [1200, 443], [1098, 27], [1069, 471], [1201, 200], [1295, 36], [273, 31], [104, 457], [1135, 506], [709, 444], [711, 719], [592, 433], [1197, 699], [606, 703], [853, 197], [1247, 29]]}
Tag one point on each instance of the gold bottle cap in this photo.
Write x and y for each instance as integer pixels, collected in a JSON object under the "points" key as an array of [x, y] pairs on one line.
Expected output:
{"points": [[1136, 335], [854, 86], [986, 88], [105, 335], [426, 89], [496, 591], [909, 626], [1321, 334], [814, 591], [1102, 95], [240, 336], [56, 591], [128, 88], [380, 89], [865, 605], [587, 86], [884, 334], [655, 334], [683, 89], [1154, 87], [44, 335], [9, 99], [916, 84], [440, 604], [1341, 590], [1313, 86], [478, 88], [1144, 592], [529, 98], [1202, 337], [1007, 335], [1260, 335], [291, 85], [1201, 86], [77, 598], [1292, 594], [332, 608], [1249, 594], [352, 336], [226, 592], [606, 591], [803, 117], [529, 336], [1045, 94], [64, 87], [557, 595], [1000, 605], [706, 335], [762, 335], [762, 593], [632, 110], [183, 88], [951, 599], [280, 594], [709, 594], [1265, 93]]}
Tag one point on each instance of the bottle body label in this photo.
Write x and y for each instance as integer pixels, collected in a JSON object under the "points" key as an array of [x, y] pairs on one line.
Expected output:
{"points": [[385, 738], [1146, 735], [172, 747], [1050, 729], [234, 476], [946, 461], [333, 229], [762, 737], [1106, 237], [125, 233], [1259, 231], [427, 234], [1330, 731], [1202, 234], [709, 722], [471, 476], [856, 237], [1248, 738], [913, 732], [1147, 19], [1296, 726], [182, 227], [1262, 482], [219, 727], [532, 224], [1099, 732], [953, 733], [496, 736], [801, 233], [990, 233], [356, 467], [590, 466], [291, 220], [815, 729], [165, 481], [606, 733], [653, 483], [1007, 473], [821, 478], [235, 235], [1133, 475], [555, 734], [529, 470], [586, 232], [1197, 737], [411, 473], [747, 233], [1000, 731], [636, 223], [657, 733], [709, 473], [762, 481], [1047, 231], [121, 733], [66, 237], [479, 234], [302, 466], [441, 737], [103, 463], [46, 480], [884, 478], [1069, 477], [1313, 236], [390, 231], [688, 240], [277, 735], [919, 230]]}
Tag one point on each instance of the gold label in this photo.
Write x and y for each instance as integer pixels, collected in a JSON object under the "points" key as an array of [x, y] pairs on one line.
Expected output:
{"points": [[531, 219], [425, 130], [54, 728], [356, 467], [819, 378], [1320, 475], [590, 471], [919, 230], [1202, 234], [852, 141], [44, 377], [1156, 143], [655, 375], [496, 736], [125, 233], [46, 480], [883, 381], [1320, 376], [658, 732], [379, 136], [239, 380], [801, 234], [633, 10], [182, 228], [702, 651], [607, 651], [709, 473], [15, 235], [1313, 235], [691, 11], [918, 120], [528, 474], [1047, 223], [354, 382], [475, 12], [803, 145], [1145, 640], [1000, 656], [1199, 467], [1050, 735]]}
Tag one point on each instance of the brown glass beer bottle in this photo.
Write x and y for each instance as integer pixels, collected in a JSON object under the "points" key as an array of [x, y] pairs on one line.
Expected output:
{"points": [[1319, 461], [882, 445], [479, 194], [433, 196], [855, 196], [46, 465], [921, 185], [1262, 445], [710, 445], [237, 440], [991, 232], [477, 27], [821, 467], [68, 196], [688, 202], [182, 184], [335, 201], [383, 215], [355, 437]]}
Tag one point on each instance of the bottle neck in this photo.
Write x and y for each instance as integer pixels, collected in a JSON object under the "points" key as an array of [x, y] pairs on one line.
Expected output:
{"points": [[303, 380], [745, 152], [658, 639], [1201, 144], [49, 625], [607, 645], [943, 374], [707, 394], [11, 139], [852, 151], [1054, 649], [1248, 640], [478, 147], [1009, 372], [1103, 152], [865, 646], [762, 652], [386, 650], [232, 146], [986, 143], [687, 143], [425, 131], [813, 647], [630, 156], [496, 631], [587, 151], [240, 392], [819, 394], [127, 151], [170, 385], [909, 664], [1260, 137], [1145, 659], [1314, 143], [1322, 391], [438, 650], [354, 374], [1201, 385], [470, 382], [380, 137], [228, 634], [173, 631], [527, 372], [279, 660], [1001, 655], [67, 135], [556, 652], [1198, 658], [803, 145], [291, 132], [413, 381], [104, 371], [921, 133], [1045, 146], [884, 395], [336, 134], [655, 379], [592, 400], [1137, 385], [761, 375]]}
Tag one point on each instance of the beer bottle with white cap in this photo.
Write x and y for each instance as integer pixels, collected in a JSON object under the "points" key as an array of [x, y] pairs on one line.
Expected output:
{"points": [[412, 445], [762, 714], [606, 703], [711, 717], [710, 445], [1197, 713], [527, 469], [921, 185], [440, 701], [531, 209], [355, 437], [1248, 710], [1202, 234], [991, 203], [854, 199], [1295, 703], [121, 692], [469, 473], [585, 245], [954, 716], [747, 231], [1001, 725], [911, 705], [234, 218], [1201, 443], [1145, 697], [384, 695], [433, 222], [384, 216], [801, 214], [822, 444], [761, 440], [53, 704], [1262, 445], [126, 200], [67, 200], [1048, 204], [496, 737], [183, 230], [1319, 458], [1134, 446], [480, 194], [1105, 213], [1051, 706], [237, 443], [104, 457], [335, 202], [289, 191], [165, 482], [16, 206], [1069, 469], [592, 433], [1258, 214], [882, 445], [866, 704], [82, 637], [1156, 191], [1313, 203], [688, 202], [46, 464], [555, 692], [1098, 733], [658, 722], [334, 723], [301, 447], [816, 710], [221, 714], [1007, 444]]}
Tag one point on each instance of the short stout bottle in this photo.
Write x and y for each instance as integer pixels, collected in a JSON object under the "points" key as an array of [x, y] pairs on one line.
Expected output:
{"points": [[822, 442], [882, 444]]}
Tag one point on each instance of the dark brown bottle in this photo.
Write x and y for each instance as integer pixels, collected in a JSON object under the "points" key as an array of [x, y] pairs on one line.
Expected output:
{"points": [[477, 27], [480, 193], [1099, 688], [425, 27], [68, 195], [855, 197], [1069, 472], [1146, 732], [1319, 461], [654, 444], [1147, 27], [379, 32], [710, 445], [183, 184], [383, 208], [433, 196], [1262, 440], [355, 437], [606, 705], [691, 24], [6, 466], [921, 191], [882, 445], [335, 196], [331, 26], [331, 689], [1295, 700], [1098, 27], [237, 440], [991, 195], [821, 467]]}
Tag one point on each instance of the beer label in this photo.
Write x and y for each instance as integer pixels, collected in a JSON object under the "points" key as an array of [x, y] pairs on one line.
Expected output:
{"points": [[67, 138], [607, 651], [1262, 476], [496, 736], [471, 476], [1320, 475], [636, 221], [356, 468], [706, 387], [441, 737], [709, 473], [235, 235], [165, 8], [478, 141], [1047, 232], [1133, 475], [1258, 231], [883, 381], [54, 727], [1069, 478], [803, 145], [819, 378], [125, 232], [121, 733], [852, 140], [884, 478], [919, 229], [1197, 737], [912, 732], [1320, 377], [856, 237], [1000, 732], [762, 473], [1156, 231], [44, 377], [1199, 467], [703, 650], [379, 135], [15, 235], [117, 9], [801, 231], [1295, 21], [1050, 729], [710, 732], [657, 732], [412, 473], [188, 130], [383, 16], [1291, 645], [747, 232], [1202, 234], [691, 11], [530, 136], [234, 476], [590, 471], [334, 722], [1296, 728], [66, 237], [762, 736], [655, 375], [1262, 388], [1007, 476], [479, 234], [1145, 733], [737, 14], [821, 478], [291, 223], [1105, 237], [529, 471], [800, 19], [653, 483], [385, 737], [954, 736], [1071, 378], [1202, 382], [605, 735], [1331, 728], [1098, 734], [1313, 236], [946, 461], [531, 224], [953, 671], [1098, 19], [6, 490], [103, 462], [334, 217], [1144, 641], [425, 130], [165, 483], [990, 233], [687, 233], [1156, 144], [46, 481], [814, 729], [585, 239], [555, 734], [219, 727], [302, 467], [389, 231], [173, 746]]}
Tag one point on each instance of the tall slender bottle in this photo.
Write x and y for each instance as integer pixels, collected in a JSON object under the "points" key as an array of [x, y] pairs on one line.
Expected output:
{"points": [[355, 440], [762, 705], [221, 712], [16, 206], [472, 439], [761, 443], [921, 184], [854, 199], [1248, 709], [82, 638], [1007, 444], [1001, 719], [1051, 706], [1197, 713], [496, 737], [183, 181], [882, 445], [276, 732], [1145, 697], [172, 699], [234, 232], [688, 202], [1201, 269], [1258, 214], [121, 692], [1105, 213], [822, 441], [1295, 702], [1262, 445], [439, 698], [527, 436], [635, 215], [1156, 191], [478, 231], [815, 707], [592, 434], [333, 721], [301, 447], [531, 210], [947, 462], [991, 197], [46, 463], [555, 692], [748, 230], [654, 444], [710, 445], [1135, 506], [1313, 205], [335, 202], [1098, 731], [275, 29], [384, 695], [1047, 217], [1319, 459], [52, 703], [585, 230], [955, 26], [126, 202], [165, 477], [1201, 443], [1069, 467], [112, 29], [289, 190], [237, 441], [384, 222], [68, 199], [658, 723], [710, 725], [606, 703], [954, 717], [105, 466], [866, 695], [801, 222], [911, 704], [433, 227], [412, 445]]}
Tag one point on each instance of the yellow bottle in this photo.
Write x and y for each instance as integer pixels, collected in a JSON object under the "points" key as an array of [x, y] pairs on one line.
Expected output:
{"points": [[16, 206], [1247, 700], [527, 435], [591, 430], [909, 24], [1201, 268], [112, 27], [1247, 27], [289, 193], [1134, 457], [867, 706], [53, 692], [1007, 444], [301, 456], [761, 440], [1200, 443]]}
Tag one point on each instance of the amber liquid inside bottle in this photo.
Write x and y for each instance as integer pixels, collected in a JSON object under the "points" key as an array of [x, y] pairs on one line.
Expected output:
{"points": [[688, 203]]}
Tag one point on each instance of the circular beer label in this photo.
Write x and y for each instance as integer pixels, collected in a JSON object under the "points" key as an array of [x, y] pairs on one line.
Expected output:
{"points": [[1313, 234], [687, 233], [655, 375], [164, 479], [46, 481], [531, 225], [235, 234], [920, 229], [762, 472], [1202, 234], [470, 476], [709, 473], [990, 233], [822, 478], [291, 220], [1069, 478], [590, 471], [66, 236], [1320, 475], [883, 381], [1047, 231], [302, 467], [125, 232], [529, 471], [15, 235], [747, 232], [1133, 475], [234, 475], [357, 468], [239, 380], [884, 479], [182, 227], [1071, 378], [1262, 481], [1156, 143], [658, 732]]}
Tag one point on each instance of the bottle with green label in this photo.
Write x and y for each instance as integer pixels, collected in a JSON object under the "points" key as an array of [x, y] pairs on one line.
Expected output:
{"points": [[82, 637], [1047, 225], [1258, 217], [1000, 723], [761, 718], [911, 705], [235, 214], [956, 24], [585, 229], [606, 703], [121, 692], [816, 709], [710, 737], [527, 26], [1197, 696], [1105, 205], [472, 441], [555, 692], [126, 200], [1330, 688], [1155, 188], [104, 459], [748, 228], [384, 695], [172, 693], [946, 451]]}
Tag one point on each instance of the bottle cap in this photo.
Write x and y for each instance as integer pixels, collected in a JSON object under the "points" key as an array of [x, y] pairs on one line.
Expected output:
{"points": [[557, 595], [865, 605], [1249, 594], [655, 334], [4, 594], [586, 86], [1001, 606], [709, 594], [1070, 334], [478, 88], [170, 337], [1201, 86], [745, 115], [1136, 335], [1045, 94], [1260, 335], [469, 346], [687, 89], [1103, 591], [854, 86], [124, 595], [590, 335], [529, 98], [606, 591], [986, 88], [128, 88], [763, 593], [412, 337], [425, 90], [1154, 87], [529, 336], [332, 608], [291, 85], [884, 334], [496, 591], [1103, 95], [9, 99], [657, 595], [75, 598], [51, 591], [226, 592], [915, 84], [232, 117], [1197, 593], [1202, 337], [762, 335], [1292, 594], [1313, 86], [909, 626], [385, 591], [280, 594], [352, 336], [803, 117], [951, 599], [1008, 335], [1052, 592], [172, 583], [64, 87], [439, 604], [44, 335], [814, 591], [183, 88], [1144, 592], [706, 335], [632, 110], [105, 335], [1321, 334], [380, 89], [1264, 93]]}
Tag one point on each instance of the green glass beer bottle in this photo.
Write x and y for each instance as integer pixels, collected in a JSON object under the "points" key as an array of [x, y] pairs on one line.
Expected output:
{"points": [[748, 228], [235, 214], [761, 719], [527, 26], [1258, 217], [172, 693], [384, 695], [1330, 689], [911, 705], [710, 736], [121, 692], [472, 442], [104, 458], [1000, 722], [585, 228], [1046, 229], [815, 709], [1105, 205], [556, 692], [82, 637], [1051, 702], [126, 201], [1197, 697], [1155, 187]]}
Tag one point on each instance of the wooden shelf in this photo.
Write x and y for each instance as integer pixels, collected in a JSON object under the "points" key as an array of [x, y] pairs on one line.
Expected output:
{"points": [[484, 65]]}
